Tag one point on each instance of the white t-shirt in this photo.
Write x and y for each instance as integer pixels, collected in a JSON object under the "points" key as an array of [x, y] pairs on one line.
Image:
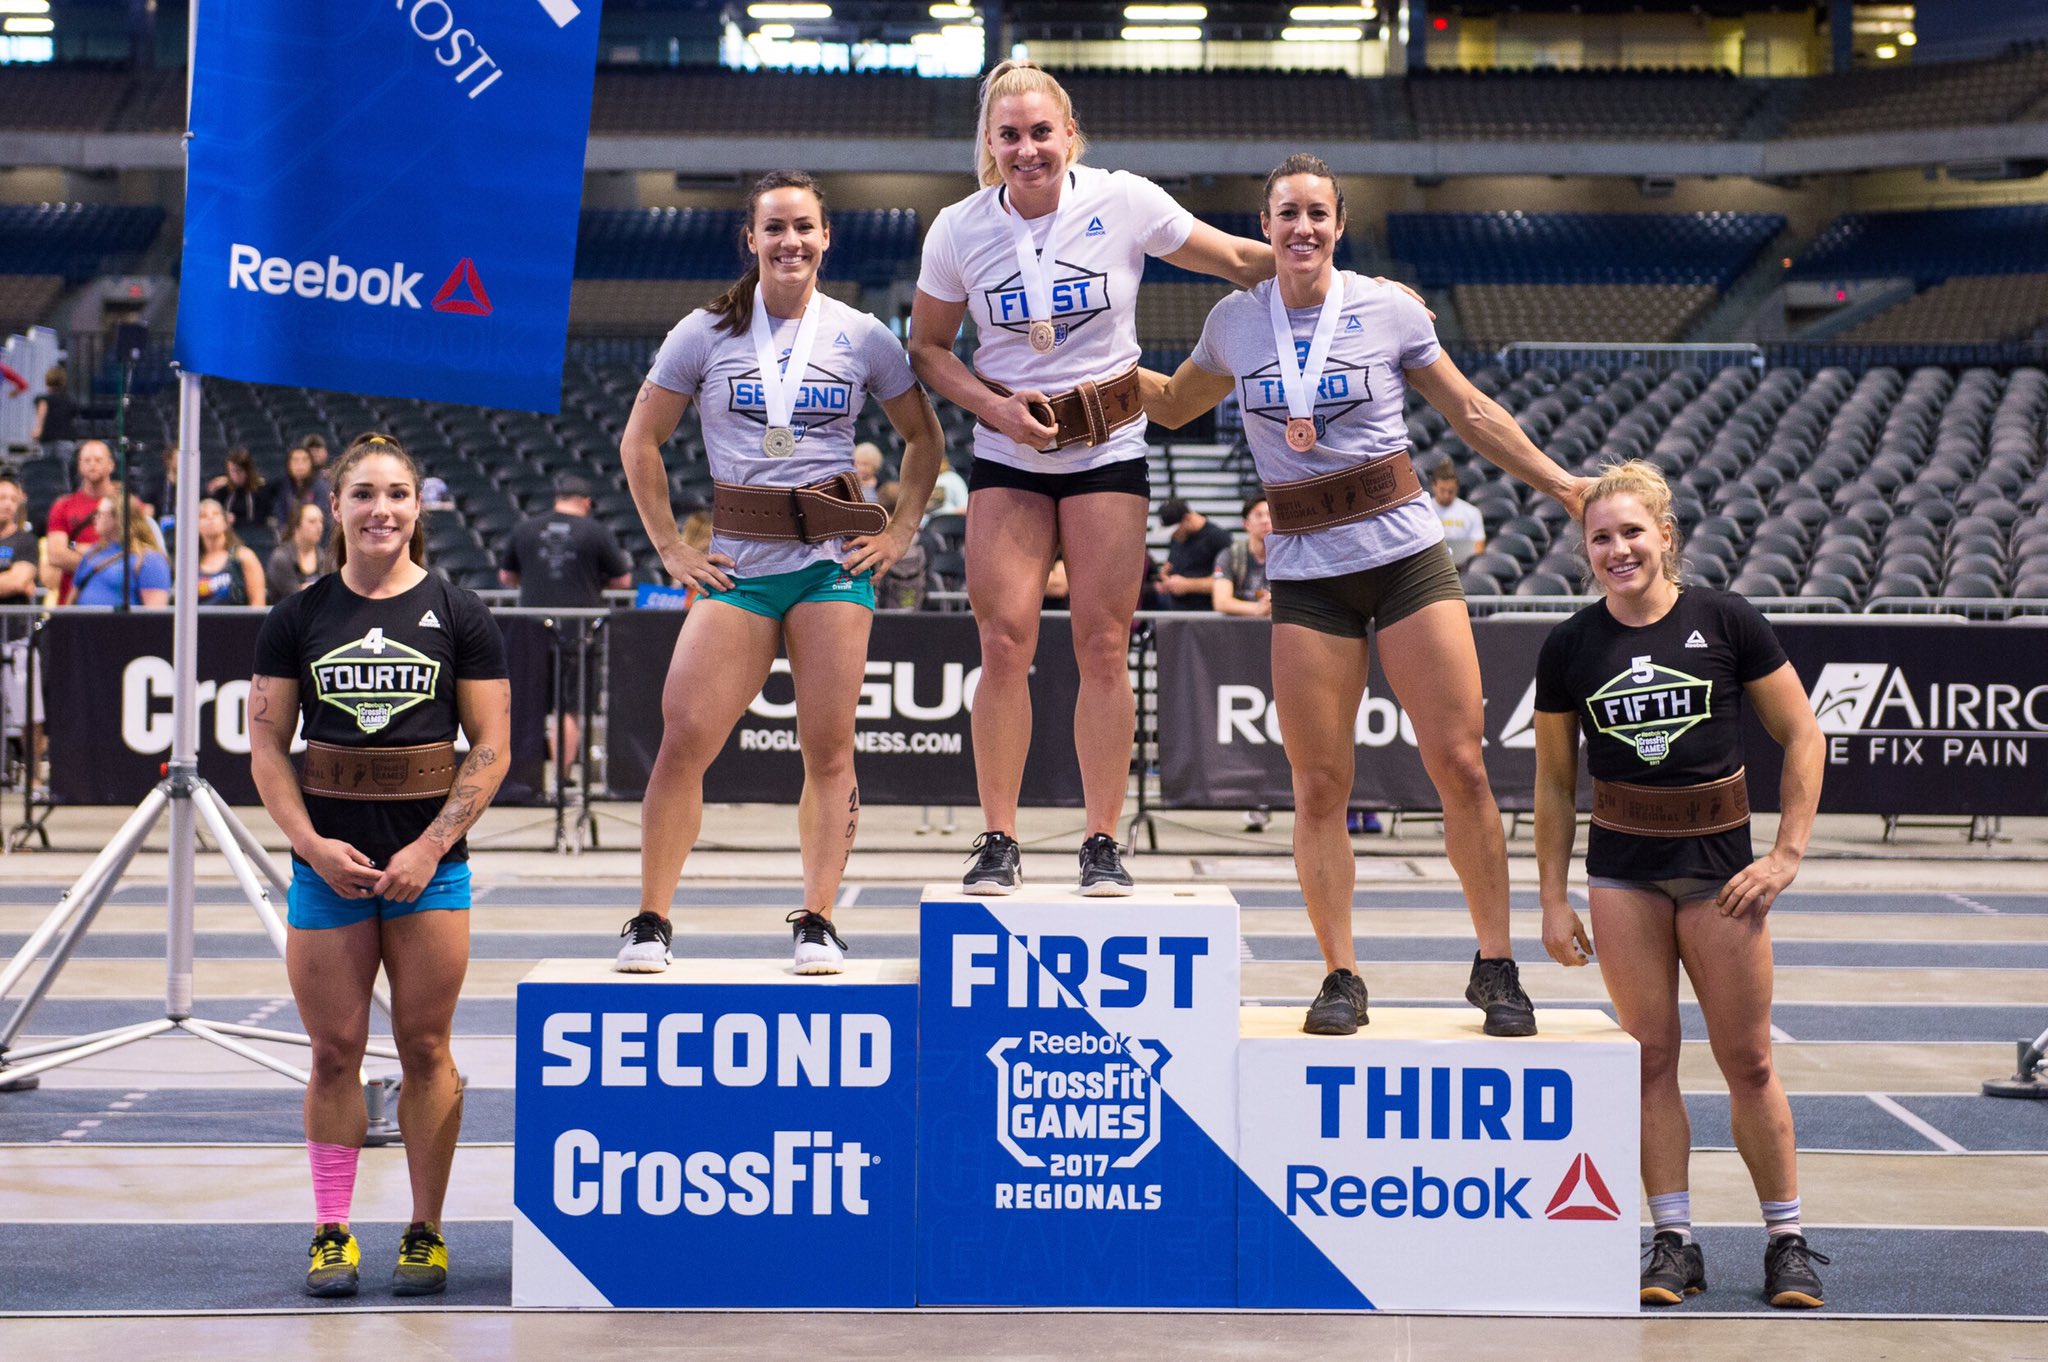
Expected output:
{"points": [[1463, 526], [1381, 332], [1107, 223], [851, 356]]}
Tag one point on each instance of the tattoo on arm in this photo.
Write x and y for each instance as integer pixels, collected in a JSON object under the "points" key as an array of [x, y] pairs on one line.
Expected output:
{"points": [[466, 801], [646, 392], [260, 701]]}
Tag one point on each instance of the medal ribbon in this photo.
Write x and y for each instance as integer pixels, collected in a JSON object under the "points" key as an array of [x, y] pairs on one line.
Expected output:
{"points": [[1300, 382], [1037, 288], [779, 387]]}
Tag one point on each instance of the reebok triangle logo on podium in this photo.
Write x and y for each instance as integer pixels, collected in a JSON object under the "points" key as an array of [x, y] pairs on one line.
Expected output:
{"points": [[1582, 1195], [463, 276]]}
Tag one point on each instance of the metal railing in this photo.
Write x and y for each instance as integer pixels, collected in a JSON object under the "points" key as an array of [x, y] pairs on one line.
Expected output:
{"points": [[1665, 358]]}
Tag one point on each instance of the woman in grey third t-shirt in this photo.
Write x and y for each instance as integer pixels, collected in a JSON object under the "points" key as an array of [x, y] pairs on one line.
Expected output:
{"points": [[1354, 548]]}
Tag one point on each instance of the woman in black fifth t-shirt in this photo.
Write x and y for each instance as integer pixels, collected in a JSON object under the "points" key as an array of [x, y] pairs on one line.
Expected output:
{"points": [[377, 656], [1655, 677]]}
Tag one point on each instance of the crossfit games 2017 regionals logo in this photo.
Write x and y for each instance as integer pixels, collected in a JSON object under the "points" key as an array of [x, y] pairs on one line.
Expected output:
{"points": [[1083, 1110]]}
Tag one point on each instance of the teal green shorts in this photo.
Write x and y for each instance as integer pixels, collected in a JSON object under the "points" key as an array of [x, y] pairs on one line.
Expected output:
{"points": [[776, 594]]}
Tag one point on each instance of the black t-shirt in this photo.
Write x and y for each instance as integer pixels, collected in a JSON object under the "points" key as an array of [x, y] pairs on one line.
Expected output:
{"points": [[1195, 556], [1660, 705], [19, 547], [380, 673], [564, 561]]}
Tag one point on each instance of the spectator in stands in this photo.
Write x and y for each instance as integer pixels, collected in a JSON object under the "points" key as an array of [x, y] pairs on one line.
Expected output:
{"points": [[56, 427], [1669, 862], [949, 493], [239, 490], [1187, 580], [228, 571], [867, 466], [73, 525], [1354, 552], [303, 484], [18, 564], [564, 560], [299, 558], [1059, 454], [316, 450], [1238, 582], [1464, 527], [100, 578], [795, 552]]}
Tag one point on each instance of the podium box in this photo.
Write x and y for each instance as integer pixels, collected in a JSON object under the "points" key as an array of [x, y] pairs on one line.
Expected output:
{"points": [[1423, 1165], [705, 1136], [1077, 1106]]}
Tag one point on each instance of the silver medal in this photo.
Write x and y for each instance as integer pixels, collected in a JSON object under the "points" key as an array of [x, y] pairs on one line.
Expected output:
{"points": [[778, 442], [1042, 336]]}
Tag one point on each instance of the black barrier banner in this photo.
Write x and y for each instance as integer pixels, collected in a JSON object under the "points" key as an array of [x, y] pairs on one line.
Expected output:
{"points": [[1219, 732], [108, 686], [911, 738]]}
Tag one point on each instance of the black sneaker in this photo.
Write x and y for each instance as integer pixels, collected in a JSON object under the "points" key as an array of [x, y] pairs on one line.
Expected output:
{"points": [[1789, 1279], [647, 941], [1102, 869], [1496, 989], [819, 949], [998, 865], [1675, 1270], [1339, 1010]]}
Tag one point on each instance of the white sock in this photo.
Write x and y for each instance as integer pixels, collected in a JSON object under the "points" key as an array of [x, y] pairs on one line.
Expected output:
{"points": [[1673, 1211], [1781, 1217]]}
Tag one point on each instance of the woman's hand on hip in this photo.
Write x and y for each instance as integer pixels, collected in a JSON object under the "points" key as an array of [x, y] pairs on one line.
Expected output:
{"points": [[875, 554], [695, 567]]}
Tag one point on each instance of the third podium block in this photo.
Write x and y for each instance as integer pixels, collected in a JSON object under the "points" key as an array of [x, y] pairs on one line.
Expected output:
{"points": [[1077, 1110]]}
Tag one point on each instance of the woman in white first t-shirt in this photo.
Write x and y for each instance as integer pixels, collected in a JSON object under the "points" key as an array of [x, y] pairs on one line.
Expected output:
{"points": [[1077, 238]]}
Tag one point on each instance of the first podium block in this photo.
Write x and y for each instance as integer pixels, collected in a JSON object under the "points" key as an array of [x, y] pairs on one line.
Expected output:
{"points": [[1422, 1165], [708, 1136], [1077, 1098]]}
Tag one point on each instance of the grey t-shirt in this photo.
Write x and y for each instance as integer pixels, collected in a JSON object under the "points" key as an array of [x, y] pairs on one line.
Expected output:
{"points": [[853, 355], [1358, 412]]}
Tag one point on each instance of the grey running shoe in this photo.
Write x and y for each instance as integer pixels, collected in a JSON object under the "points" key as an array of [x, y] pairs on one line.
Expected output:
{"points": [[1339, 1009], [998, 865], [1496, 989], [1790, 1282], [1675, 1270], [1102, 868]]}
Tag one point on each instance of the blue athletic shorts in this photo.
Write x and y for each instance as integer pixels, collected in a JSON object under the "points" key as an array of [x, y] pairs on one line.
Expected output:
{"points": [[776, 594], [311, 903]]}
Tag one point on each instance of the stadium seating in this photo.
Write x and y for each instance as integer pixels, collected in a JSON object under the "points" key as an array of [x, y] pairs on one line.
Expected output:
{"points": [[1550, 106], [1930, 245], [1579, 248], [1495, 314], [74, 240], [1986, 307], [1947, 94], [872, 247], [641, 307], [26, 298]]}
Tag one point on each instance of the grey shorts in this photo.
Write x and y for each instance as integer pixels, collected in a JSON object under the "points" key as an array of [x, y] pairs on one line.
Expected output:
{"points": [[1376, 597], [1682, 890]]}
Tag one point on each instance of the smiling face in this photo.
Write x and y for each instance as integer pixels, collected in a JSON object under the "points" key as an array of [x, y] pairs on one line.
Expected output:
{"points": [[1031, 140], [788, 236], [378, 507], [1303, 222], [1627, 546]]}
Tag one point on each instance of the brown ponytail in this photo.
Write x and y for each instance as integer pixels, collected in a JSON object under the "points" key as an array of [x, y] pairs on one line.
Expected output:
{"points": [[359, 449], [734, 308]]}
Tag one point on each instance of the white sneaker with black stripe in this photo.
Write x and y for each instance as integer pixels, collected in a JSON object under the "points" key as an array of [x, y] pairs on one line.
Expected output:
{"points": [[819, 948], [647, 942]]}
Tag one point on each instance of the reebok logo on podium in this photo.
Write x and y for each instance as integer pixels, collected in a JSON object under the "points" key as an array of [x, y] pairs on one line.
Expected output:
{"points": [[1582, 1195], [463, 276]]}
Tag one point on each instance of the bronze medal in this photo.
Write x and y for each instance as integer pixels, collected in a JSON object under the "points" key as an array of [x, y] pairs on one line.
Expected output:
{"points": [[1041, 336], [1301, 434], [778, 442]]}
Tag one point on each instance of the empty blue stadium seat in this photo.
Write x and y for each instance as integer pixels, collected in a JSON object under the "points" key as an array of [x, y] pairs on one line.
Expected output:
{"points": [[1929, 246], [1579, 248]]}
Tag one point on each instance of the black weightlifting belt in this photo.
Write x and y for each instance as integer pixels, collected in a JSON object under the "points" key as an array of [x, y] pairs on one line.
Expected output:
{"points": [[425, 772], [810, 514], [1090, 413], [1672, 810], [1343, 496]]}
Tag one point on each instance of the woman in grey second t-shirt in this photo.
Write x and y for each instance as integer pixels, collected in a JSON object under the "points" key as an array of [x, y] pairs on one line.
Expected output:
{"points": [[1355, 548]]}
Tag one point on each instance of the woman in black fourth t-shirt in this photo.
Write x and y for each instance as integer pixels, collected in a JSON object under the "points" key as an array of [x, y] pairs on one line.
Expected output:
{"points": [[1655, 676], [383, 661]]}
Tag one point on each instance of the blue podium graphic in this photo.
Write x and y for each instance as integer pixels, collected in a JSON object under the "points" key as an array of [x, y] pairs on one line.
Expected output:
{"points": [[1077, 1099], [696, 1138]]}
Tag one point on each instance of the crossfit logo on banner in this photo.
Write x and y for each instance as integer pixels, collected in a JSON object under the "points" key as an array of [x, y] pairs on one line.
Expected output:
{"points": [[1078, 1108], [1582, 1195]]}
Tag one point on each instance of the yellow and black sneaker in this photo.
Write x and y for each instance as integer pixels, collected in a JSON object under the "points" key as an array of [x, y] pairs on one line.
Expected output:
{"points": [[422, 1262], [336, 1257]]}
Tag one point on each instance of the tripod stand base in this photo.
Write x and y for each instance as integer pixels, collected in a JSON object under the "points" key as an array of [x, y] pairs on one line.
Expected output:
{"points": [[2027, 1081], [28, 1083]]}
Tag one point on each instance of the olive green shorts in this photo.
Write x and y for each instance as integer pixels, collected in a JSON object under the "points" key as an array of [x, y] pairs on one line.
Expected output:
{"points": [[1383, 596]]}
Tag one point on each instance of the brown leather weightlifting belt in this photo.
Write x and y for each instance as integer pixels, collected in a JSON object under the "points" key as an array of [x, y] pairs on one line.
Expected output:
{"points": [[425, 772], [1090, 413], [810, 514], [1672, 811], [1344, 496]]}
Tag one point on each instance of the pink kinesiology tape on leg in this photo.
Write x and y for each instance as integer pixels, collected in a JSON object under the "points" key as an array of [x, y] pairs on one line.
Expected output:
{"points": [[334, 1180]]}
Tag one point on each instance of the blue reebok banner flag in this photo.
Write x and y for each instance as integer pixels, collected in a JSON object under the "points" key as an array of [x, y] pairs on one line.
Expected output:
{"points": [[382, 196]]}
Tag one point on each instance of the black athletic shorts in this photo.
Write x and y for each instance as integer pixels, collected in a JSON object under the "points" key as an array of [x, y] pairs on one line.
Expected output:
{"points": [[1125, 475], [1383, 596]]}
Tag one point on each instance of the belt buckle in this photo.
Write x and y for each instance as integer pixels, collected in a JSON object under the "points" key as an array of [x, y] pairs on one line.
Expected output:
{"points": [[796, 513]]}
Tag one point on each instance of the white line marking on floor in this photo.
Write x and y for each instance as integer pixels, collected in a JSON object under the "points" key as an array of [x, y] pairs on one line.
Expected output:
{"points": [[1885, 1104], [1973, 905], [1779, 1033], [1244, 948], [849, 894]]}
